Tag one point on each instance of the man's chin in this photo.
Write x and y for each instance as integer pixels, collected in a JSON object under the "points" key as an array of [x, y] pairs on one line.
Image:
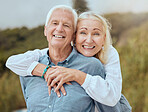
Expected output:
{"points": [[57, 45]]}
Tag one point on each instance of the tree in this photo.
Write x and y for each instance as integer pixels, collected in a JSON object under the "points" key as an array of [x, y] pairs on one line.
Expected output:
{"points": [[80, 6]]}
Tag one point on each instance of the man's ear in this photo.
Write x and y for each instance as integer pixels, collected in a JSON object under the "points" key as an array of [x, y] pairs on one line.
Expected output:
{"points": [[73, 39], [45, 31]]}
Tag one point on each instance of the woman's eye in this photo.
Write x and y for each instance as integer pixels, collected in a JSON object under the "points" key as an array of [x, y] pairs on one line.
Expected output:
{"points": [[96, 34], [82, 33]]}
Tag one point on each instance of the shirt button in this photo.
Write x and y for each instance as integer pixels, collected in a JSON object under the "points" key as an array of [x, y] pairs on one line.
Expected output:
{"points": [[66, 63], [49, 106], [52, 89]]}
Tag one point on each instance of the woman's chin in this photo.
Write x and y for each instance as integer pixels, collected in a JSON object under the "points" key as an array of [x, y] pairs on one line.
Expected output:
{"points": [[88, 54]]}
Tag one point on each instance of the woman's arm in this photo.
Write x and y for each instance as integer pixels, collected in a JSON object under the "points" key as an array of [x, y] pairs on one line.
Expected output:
{"points": [[106, 91], [23, 64], [27, 65]]}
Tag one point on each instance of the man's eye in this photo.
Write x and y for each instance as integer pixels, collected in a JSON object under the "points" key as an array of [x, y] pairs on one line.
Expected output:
{"points": [[82, 33], [66, 25], [55, 23]]}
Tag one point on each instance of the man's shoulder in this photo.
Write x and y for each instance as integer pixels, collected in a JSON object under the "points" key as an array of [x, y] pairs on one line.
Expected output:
{"points": [[44, 59], [90, 60], [90, 65]]}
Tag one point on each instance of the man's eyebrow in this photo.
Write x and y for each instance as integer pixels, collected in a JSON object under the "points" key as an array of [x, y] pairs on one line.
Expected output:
{"points": [[68, 23], [54, 21]]}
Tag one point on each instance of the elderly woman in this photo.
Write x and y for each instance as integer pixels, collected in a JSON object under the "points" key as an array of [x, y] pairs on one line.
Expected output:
{"points": [[92, 39]]}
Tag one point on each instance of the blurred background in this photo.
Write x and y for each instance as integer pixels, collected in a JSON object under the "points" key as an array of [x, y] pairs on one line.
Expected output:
{"points": [[21, 29]]}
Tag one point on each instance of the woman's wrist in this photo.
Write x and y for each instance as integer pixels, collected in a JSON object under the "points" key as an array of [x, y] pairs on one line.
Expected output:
{"points": [[39, 69], [80, 77]]}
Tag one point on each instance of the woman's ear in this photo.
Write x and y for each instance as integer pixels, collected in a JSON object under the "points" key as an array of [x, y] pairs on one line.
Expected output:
{"points": [[45, 31], [104, 39]]}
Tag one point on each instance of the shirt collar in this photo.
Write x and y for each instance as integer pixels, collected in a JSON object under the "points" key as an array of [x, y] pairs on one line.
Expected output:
{"points": [[71, 56]]}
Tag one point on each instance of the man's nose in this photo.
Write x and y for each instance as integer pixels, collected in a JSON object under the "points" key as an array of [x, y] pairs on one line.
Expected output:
{"points": [[89, 39], [59, 28]]}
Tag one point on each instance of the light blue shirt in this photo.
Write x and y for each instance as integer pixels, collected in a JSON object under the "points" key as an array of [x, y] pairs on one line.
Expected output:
{"points": [[35, 88]]}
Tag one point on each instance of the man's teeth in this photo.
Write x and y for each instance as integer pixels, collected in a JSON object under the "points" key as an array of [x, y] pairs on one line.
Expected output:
{"points": [[89, 47], [58, 36]]}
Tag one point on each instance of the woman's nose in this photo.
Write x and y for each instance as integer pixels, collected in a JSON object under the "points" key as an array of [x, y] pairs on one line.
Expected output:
{"points": [[89, 39]]}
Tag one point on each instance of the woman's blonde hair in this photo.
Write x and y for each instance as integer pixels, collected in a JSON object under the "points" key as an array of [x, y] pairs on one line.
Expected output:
{"points": [[102, 55]]}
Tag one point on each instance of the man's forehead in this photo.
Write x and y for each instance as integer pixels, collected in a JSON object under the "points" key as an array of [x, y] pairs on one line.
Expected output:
{"points": [[62, 14]]}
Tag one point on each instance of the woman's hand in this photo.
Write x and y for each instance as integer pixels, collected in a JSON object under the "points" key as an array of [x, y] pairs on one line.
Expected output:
{"points": [[50, 87], [60, 75], [58, 92]]}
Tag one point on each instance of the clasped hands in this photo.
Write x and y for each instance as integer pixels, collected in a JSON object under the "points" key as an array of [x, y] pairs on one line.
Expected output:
{"points": [[57, 76]]}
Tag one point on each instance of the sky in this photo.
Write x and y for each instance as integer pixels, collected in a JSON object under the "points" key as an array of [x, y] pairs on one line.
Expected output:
{"points": [[31, 13]]}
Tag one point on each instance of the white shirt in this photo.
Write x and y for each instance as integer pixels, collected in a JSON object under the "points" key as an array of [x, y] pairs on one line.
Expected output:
{"points": [[106, 91]]}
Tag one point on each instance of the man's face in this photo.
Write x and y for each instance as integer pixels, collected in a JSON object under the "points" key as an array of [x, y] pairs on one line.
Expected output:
{"points": [[60, 28]]}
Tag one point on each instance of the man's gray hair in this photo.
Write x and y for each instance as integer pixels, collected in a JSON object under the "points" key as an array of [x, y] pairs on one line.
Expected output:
{"points": [[63, 7]]}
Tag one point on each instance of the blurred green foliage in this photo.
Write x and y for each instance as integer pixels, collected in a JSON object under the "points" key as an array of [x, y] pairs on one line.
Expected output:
{"points": [[77, 5], [134, 62], [130, 37]]}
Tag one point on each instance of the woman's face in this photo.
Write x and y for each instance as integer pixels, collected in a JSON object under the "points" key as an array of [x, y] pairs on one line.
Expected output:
{"points": [[89, 37]]}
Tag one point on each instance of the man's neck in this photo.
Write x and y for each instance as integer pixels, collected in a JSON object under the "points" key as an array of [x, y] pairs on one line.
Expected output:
{"points": [[58, 54]]}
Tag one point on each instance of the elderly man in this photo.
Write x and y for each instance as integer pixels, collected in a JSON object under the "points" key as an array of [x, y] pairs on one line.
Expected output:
{"points": [[59, 29]]}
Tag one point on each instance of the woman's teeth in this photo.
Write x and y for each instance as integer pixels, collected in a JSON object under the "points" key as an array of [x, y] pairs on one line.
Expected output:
{"points": [[88, 47]]}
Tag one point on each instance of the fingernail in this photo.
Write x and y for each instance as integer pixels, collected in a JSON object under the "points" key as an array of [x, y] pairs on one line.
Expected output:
{"points": [[59, 96], [54, 90], [64, 94]]}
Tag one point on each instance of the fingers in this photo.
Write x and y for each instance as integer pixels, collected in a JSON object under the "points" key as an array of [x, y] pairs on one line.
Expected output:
{"points": [[63, 90], [49, 81], [56, 67], [57, 87], [52, 79], [68, 83], [48, 73], [61, 87], [58, 93], [60, 84], [60, 80], [56, 80], [56, 76], [49, 90]]}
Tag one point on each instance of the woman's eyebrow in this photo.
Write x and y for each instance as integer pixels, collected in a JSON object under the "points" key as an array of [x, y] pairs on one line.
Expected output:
{"points": [[97, 29], [83, 28]]}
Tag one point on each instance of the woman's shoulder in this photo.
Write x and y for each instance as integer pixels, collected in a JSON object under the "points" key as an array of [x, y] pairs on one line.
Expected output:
{"points": [[112, 54], [112, 50]]}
